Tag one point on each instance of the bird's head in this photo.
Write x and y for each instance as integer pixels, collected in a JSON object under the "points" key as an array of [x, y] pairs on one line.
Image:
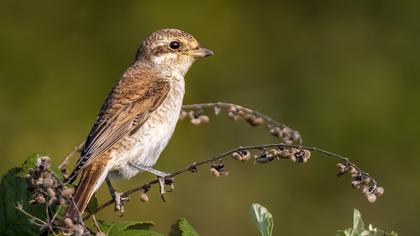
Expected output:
{"points": [[171, 49]]}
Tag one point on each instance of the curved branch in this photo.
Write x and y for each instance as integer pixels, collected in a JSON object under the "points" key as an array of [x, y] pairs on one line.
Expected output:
{"points": [[193, 167]]}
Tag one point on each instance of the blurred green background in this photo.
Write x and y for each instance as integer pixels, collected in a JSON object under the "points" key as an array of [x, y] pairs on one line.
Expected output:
{"points": [[346, 74]]}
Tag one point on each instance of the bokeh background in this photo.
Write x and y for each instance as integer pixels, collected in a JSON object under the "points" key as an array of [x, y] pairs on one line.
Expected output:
{"points": [[346, 74]]}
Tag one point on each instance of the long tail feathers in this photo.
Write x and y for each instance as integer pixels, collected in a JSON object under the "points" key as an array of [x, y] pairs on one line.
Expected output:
{"points": [[92, 178]]}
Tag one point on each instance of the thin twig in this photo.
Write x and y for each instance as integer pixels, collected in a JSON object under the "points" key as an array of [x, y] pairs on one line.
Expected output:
{"points": [[95, 223], [63, 164]]}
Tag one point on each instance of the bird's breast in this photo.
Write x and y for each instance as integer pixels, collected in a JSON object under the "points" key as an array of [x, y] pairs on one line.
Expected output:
{"points": [[145, 145]]}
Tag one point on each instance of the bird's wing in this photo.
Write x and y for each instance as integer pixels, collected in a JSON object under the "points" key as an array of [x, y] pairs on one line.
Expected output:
{"points": [[126, 109]]}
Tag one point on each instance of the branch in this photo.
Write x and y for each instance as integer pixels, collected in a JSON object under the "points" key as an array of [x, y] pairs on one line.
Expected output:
{"points": [[268, 153]]}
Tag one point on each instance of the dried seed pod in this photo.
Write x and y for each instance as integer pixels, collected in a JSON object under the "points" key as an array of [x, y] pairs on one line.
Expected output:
{"points": [[285, 154], [295, 136], [47, 182], [67, 192], [276, 132], [233, 109], [254, 120], [355, 184], [214, 172], [204, 119], [68, 222], [183, 114], [143, 196], [234, 116], [274, 152], [51, 192], [237, 156], [379, 191], [246, 155], [365, 190], [195, 121], [371, 198], [39, 199], [39, 181], [264, 158]]}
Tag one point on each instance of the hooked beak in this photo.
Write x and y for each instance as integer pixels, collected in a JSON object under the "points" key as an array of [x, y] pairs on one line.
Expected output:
{"points": [[200, 52]]}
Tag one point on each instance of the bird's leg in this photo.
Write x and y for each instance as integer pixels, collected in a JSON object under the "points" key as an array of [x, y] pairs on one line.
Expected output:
{"points": [[163, 178], [118, 198]]}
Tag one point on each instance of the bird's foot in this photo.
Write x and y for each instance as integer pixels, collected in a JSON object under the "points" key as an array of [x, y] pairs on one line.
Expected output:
{"points": [[166, 180], [163, 178], [119, 200]]}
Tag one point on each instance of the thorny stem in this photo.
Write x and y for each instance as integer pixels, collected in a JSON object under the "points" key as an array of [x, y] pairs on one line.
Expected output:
{"points": [[226, 154]]}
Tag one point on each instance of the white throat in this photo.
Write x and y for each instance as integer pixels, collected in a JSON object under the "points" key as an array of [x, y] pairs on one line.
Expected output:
{"points": [[173, 65]]}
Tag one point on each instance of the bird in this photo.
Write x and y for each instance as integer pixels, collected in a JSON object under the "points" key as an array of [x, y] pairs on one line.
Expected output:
{"points": [[138, 118]]}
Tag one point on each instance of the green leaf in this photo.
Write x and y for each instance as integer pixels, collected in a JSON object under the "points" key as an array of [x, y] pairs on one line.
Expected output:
{"points": [[13, 189], [182, 228], [92, 205], [262, 218], [360, 230], [128, 228]]}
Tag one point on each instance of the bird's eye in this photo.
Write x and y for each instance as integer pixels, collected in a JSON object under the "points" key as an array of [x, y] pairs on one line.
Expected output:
{"points": [[174, 44]]}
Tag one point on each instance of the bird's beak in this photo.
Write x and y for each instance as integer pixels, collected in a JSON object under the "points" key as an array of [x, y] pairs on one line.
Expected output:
{"points": [[200, 52]]}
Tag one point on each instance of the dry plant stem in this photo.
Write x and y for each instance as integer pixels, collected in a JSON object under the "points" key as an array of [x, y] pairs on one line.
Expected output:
{"points": [[270, 122], [95, 223], [226, 154]]}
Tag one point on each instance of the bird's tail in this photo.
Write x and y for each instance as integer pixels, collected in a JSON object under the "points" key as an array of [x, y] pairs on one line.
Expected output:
{"points": [[92, 177]]}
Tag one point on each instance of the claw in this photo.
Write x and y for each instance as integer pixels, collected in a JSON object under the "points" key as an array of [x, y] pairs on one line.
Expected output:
{"points": [[119, 203]]}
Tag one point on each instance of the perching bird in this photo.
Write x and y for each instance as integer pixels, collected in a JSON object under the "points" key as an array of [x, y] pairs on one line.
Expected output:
{"points": [[139, 116]]}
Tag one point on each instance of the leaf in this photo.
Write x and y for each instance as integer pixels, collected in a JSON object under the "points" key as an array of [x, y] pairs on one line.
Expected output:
{"points": [[141, 228], [360, 230], [13, 189], [92, 205], [262, 218], [182, 228]]}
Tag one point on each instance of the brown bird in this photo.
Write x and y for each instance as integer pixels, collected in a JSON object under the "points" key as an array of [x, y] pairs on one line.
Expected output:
{"points": [[139, 116]]}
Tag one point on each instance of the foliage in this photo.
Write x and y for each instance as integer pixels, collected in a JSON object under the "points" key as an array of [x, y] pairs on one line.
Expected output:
{"points": [[13, 189], [132, 228], [359, 229], [262, 218], [182, 228]]}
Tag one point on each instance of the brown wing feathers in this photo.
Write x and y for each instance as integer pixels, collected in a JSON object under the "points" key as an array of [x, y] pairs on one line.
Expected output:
{"points": [[128, 106]]}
